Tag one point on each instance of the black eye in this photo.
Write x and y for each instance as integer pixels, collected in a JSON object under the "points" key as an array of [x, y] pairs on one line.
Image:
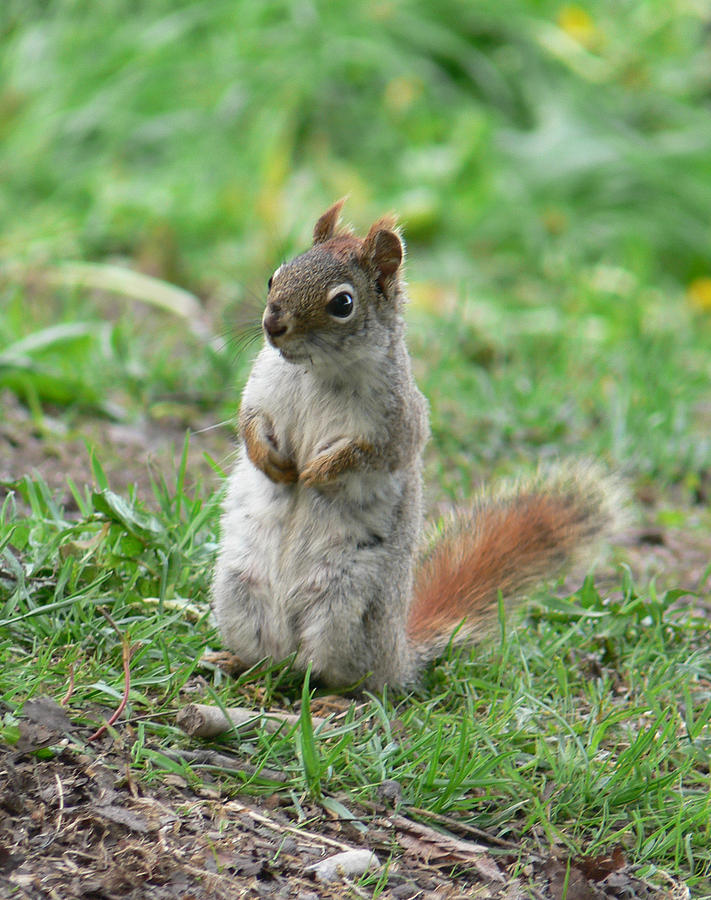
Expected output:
{"points": [[269, 283], [340, 306]]}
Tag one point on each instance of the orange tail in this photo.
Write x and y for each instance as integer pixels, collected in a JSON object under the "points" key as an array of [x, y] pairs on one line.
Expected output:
{"points": [[508, 542]]}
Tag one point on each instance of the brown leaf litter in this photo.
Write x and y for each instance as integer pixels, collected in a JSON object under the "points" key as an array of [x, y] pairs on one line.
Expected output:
{"points": [[74, 823]]}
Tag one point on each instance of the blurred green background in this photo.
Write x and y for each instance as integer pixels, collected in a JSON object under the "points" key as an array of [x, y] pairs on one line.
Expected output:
{"points": [[550, 163]]}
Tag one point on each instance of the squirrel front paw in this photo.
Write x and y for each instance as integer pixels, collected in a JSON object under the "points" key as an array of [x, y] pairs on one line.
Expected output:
{"points": [[318, 471], [279, 468], [334, 458], [261, 446]]}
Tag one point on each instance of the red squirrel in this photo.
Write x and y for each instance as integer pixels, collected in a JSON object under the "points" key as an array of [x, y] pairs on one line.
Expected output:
{"points": [[322, 551]]}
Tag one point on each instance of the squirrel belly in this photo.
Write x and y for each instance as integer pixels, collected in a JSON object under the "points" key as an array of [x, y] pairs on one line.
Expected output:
{"points": [[320, 554], [301, 573]]}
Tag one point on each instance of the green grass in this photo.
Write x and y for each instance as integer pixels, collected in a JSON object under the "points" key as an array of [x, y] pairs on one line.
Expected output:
{"points": [[552, 169], [587, 726], [197, 139]]}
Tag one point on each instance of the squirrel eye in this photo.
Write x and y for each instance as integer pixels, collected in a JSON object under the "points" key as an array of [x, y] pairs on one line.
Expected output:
{"points": [[269, 283], [340, 306]]}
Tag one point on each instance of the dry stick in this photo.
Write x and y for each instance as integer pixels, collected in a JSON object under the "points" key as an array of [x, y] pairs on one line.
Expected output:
{"points": [[70, 688], [126, 657], [451, 823], [279, 826], [199, 720], [221, 761], [454, 825], [60, 818], [412, 826]]}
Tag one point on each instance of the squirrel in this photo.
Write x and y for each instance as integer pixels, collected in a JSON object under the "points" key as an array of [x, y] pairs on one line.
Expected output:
{"points": [[321, 553]]}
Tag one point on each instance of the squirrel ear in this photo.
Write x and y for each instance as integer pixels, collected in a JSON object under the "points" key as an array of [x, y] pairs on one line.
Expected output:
{"points": [[326, 225], [382, 249]]}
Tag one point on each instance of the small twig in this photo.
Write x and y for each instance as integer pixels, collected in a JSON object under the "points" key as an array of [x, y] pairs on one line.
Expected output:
{"points": [[60, 819], [279, 826], [420, 830], [454, 825], [199, 720], [216, 760], [107, 615], [60, 792], [70, 688], [126, 657]]}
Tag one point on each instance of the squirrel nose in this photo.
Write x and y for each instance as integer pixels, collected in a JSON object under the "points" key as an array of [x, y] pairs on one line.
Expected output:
{"points": [[273, 325]]}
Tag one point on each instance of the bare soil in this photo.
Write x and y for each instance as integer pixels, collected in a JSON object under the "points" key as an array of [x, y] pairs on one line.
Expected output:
{"points": [[74, 823], [129, 454]]}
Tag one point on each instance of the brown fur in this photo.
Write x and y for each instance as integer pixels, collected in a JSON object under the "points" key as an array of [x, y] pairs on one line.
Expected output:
{"points": [[343, 246], [328, 465], [381, 249], [325, 227], [263, 453], [506, 544]]}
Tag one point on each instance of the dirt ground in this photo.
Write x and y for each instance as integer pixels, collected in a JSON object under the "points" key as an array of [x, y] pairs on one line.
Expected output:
{"points": [[129, 454], [74, 822]]}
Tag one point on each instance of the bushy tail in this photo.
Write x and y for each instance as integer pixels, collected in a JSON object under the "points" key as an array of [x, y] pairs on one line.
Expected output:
{"points": [[511, 540]]}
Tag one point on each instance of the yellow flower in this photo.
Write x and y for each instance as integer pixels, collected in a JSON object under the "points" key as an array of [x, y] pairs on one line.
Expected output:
{"points": [[578, 24], [699, 293]]}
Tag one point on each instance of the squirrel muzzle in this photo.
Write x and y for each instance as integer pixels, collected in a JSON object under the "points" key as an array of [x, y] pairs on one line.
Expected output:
{"points": [[273, 324]]}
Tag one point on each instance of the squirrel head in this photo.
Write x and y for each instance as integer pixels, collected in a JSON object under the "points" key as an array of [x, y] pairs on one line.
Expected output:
{"points": [[341, 299]]}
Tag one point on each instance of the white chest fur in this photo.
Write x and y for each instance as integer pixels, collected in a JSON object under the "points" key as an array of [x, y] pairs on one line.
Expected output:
{"points": [[308, 410]]}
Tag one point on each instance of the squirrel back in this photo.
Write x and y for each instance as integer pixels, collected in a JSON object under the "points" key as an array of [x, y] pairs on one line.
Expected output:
{"points": [[322, 525]]}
